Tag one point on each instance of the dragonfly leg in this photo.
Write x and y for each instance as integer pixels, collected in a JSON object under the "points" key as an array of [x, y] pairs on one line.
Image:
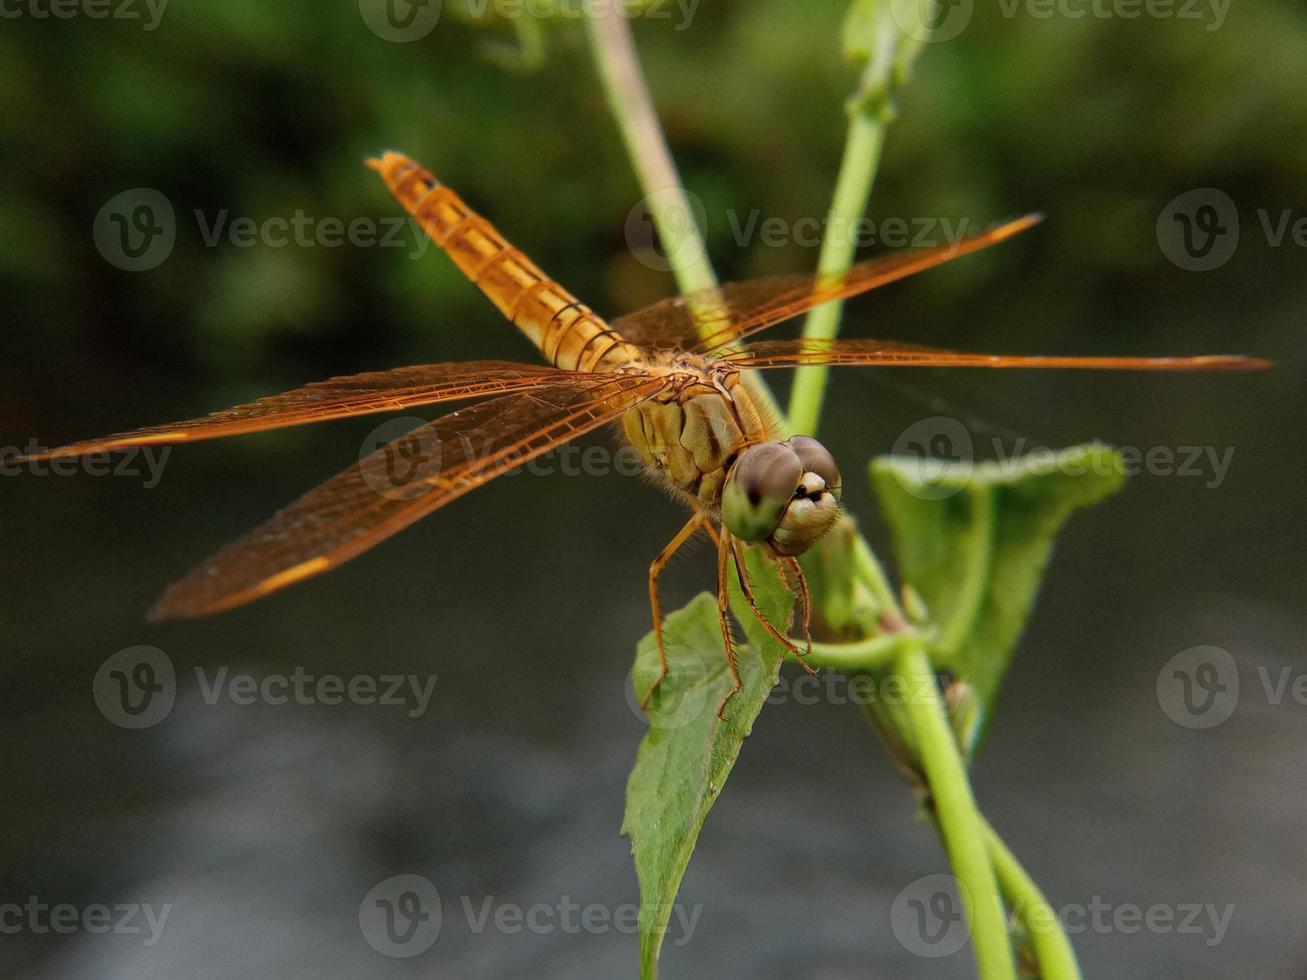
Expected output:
{"points": [[723, 614], [737, 553], [695, 523], [800, 590]]}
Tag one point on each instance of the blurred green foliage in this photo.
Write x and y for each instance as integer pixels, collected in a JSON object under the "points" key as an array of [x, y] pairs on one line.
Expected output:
{"points": [[263, 109]]}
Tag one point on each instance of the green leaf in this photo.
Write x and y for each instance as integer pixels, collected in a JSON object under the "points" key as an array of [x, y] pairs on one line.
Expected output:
{"points": [[689, 751], [973, 540]]}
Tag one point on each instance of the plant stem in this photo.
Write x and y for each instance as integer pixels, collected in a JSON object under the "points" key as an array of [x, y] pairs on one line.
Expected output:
{"points": [[960, 823], [862, 152], [857, 656], [632, 107], [963, 829], [872, 36], [1057, 961], [870, 574], [628, 98]]}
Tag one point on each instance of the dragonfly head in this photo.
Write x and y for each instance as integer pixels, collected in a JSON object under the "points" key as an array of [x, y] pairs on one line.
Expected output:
{"points": [[785, 493]]}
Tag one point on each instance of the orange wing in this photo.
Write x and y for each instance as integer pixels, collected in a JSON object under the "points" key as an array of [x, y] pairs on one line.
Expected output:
{"points": [[737, 310], [357, 394], [888, 353], [390, 489]]}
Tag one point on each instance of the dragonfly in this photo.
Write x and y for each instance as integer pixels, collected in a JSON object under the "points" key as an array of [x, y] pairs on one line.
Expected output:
{"points": [[670, 377]]}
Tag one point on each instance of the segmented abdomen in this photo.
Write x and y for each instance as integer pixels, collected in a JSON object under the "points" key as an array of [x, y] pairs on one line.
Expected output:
{"points": [[565, 330]]}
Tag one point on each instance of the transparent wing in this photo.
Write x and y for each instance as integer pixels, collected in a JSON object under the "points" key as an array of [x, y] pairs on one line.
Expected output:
{"points": [[357, 394], [394, 486], [889, 353], [737, 310]]}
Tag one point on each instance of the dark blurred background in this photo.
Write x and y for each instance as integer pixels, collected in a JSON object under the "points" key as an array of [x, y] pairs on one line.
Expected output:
{"points": [[263, 826]]}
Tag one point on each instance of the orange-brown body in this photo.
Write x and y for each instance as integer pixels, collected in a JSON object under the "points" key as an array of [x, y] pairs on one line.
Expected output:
{"points": [[688, 435]]}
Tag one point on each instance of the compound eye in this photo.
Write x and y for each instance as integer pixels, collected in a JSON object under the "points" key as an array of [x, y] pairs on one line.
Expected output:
{"points": [[758, 488], [816, 458]]}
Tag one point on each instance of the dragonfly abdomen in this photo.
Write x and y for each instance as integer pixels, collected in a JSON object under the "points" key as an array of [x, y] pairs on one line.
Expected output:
{"points": [[565, 330]]}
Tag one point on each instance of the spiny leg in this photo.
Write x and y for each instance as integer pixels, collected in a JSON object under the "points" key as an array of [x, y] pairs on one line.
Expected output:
{"points": [[737, 553], [723, 615], [800, 589], [656, 567]]}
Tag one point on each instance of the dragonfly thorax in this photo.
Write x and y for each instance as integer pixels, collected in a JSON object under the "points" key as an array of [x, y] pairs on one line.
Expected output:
{"points": [[694, 437], [690, 433]]}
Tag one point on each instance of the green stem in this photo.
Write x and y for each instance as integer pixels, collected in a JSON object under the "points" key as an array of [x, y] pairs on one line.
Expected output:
{"points": [[1057, 960], [869, 572], [858, 656], [632, 108], [963, 829], [960, 823], [873, 37], [631, 105], [862, 152]]}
